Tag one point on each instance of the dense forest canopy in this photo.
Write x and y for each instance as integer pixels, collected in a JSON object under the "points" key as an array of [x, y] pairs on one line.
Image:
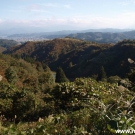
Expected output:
{"points": [[86, 57], [91, 92], [7, 43]]}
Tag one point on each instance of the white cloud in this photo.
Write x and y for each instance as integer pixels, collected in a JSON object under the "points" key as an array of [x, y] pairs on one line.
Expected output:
{"points": [[55, 5], [43, 7], [67, 6], [33, 7], [124, 20], [38, 10], [127, 2], [133, 1], [50, 5], [124, 3]]}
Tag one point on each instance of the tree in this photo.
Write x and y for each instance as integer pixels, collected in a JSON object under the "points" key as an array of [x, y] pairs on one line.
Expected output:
{"points": [[45, 67], [60, 76], [102, 75], [39, 66], [46, 79], [11, 75], [113, 79]]}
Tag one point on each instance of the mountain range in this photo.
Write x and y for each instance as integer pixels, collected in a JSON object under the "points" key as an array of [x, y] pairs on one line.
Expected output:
{"points": [[79, 58], [27, 31], [106, 37], [95, 35]]}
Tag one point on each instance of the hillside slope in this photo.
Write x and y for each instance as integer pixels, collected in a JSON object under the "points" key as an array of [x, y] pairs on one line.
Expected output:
{"points": [[24, 74], [7, 43], [80, 58], [50, 51], [114, 59], [4, 44], [104, 37]]}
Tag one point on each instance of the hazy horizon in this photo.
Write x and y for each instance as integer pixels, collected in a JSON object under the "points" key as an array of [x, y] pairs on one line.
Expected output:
{"points": [[29, 16]]}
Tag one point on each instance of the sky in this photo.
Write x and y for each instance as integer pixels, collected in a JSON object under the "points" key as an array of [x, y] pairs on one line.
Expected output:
{"points": [[56, 15]]}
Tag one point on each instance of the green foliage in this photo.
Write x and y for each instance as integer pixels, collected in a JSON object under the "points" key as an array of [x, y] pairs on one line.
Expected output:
{"points": [[90, 107], [102, 75], [23, 89], [126, 83], [45, 67], [71, 94], [26, 104], [7, 43], [87, 57], [28, 59], [123, 118], [60, 76], [30, 106], [31, 82], [113, 79], [46, 79], [39, 66], [11, 75]]}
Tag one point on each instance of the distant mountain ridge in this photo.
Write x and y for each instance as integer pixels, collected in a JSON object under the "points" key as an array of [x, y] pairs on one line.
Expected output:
{"points": [[48, 51], [79, 58], [96, 35], [106, 37], [4, 44]]}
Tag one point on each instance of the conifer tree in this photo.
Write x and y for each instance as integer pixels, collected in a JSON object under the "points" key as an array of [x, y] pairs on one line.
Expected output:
{"points": [[102, 75], [60, 76]]}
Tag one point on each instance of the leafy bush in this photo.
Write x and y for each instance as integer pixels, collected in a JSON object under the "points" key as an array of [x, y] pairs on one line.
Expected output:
{"points": [[82, 107]]}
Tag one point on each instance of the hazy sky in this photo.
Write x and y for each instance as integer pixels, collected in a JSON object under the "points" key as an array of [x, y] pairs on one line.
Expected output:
{"points": [[53, 15]]}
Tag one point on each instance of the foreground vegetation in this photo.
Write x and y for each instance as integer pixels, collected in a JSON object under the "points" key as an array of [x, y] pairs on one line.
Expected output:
{"points": [[82, 107], [32, 101]]}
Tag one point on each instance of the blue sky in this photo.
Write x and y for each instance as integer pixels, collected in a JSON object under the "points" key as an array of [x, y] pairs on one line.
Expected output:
{"points": [[54, 15]]}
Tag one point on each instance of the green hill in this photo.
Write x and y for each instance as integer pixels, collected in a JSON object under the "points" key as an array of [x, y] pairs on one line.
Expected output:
{"points": [[79, 58], [7, 43], [32, 103], [104, 37], [114, 59], [27, 74]]}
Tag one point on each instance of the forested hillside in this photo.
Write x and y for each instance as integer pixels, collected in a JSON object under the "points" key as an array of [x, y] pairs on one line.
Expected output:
{"points": [[4, 44], [48, 51], [7, 43], [114, 60], [79, 58], [22, 87], [24, 73], [33, 102], [104, 37]]}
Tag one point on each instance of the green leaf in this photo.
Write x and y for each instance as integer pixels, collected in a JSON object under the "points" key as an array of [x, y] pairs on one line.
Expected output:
{"points": [[110, 129]]}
